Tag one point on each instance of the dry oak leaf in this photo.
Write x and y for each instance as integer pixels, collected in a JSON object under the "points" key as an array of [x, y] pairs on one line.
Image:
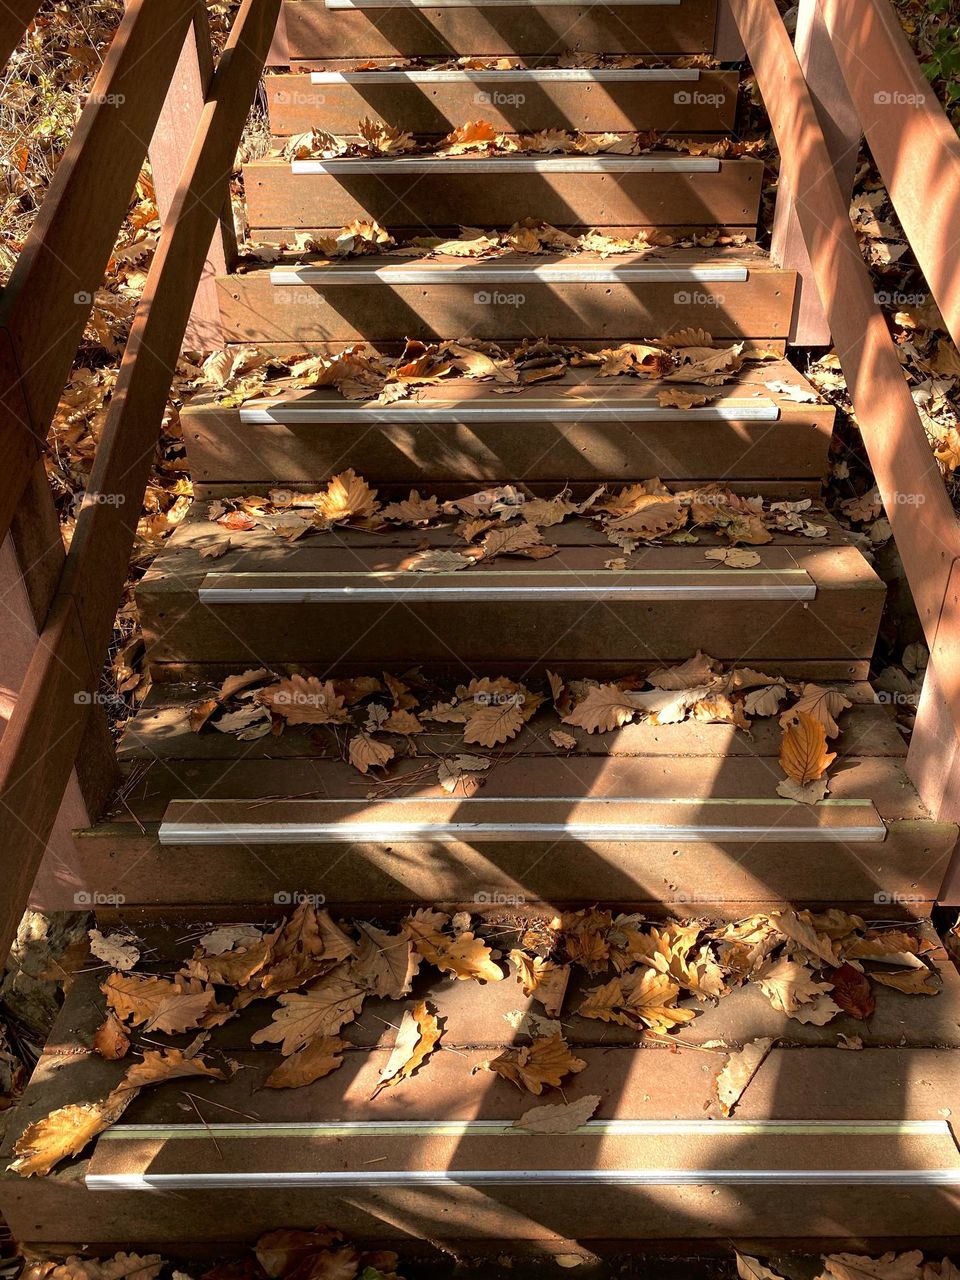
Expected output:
{"points": [[852, 991], [912, 982], [304, 700], [799, 928], [347, 497], [792, 989], [437, 560], [467, 957], [384, 139], [318, 1058], [476, 135], [402, 722], [824, 705], [491, 725], [733, 557], [605, 707], [521, 539], [638, 999], [559, 1117], [462, 773], [675, 398], [891, 1266], [542, 979], [65, 1132], [698, 670], [122, 1266], [416, 1039], [282, 1252], [386, 963], [738, 1070], [321, 1010], [233, 968], [562, 741], [161, 1065], [753, 1269], [542, 1064], [803, 750], [157, 1004], [366, 753], [413, 510], [111, 1041]]}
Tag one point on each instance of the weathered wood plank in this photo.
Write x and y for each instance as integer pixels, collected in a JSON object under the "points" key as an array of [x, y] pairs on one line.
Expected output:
{"points": [[44, 734], [14, 20], [516, 102], [314, 33], [45, 305], [279, 198]]}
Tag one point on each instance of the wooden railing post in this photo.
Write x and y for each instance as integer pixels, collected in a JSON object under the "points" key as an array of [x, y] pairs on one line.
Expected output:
{"points": [[170, 144], [841, 130]]}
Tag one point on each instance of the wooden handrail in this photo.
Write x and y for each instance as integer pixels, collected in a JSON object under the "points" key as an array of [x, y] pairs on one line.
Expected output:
{"points": [[49, 297], [40, 745], [912, 141], [924, 523], [15, 17]]}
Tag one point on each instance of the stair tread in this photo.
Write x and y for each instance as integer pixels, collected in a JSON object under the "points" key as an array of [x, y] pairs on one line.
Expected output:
{"points": [[755, 383]]}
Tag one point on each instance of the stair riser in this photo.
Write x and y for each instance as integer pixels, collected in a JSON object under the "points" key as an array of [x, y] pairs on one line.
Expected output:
{"points": [[254, 310], [279, 198], [515, 103], [838, 625], [315, 33], [508, 1214], [907, 869], [222, 450]]}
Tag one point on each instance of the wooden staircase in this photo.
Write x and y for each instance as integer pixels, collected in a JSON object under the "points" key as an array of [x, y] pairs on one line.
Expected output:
{"points": [[827, 1145]]}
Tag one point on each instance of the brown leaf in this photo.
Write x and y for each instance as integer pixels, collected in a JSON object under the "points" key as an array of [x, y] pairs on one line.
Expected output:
{"points": [[386, 963], [318, 1058], [560, 1117], [803, 751], [321, 1010], [347, 497], [414, 510], [304, 700], [852, 992], [640, 998], [738, 1070], [912, 982], [604, 708], [111, 1041], [417, 1038], [157, 1004], [493, 724], [366, 753], [534, 1067]]}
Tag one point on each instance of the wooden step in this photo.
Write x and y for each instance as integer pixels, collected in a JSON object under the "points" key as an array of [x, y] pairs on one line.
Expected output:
{"points": [[579, 428], [265, 601], [577, 297], [411, 194], [869, 1137], [677, 100], [308, 32], [728, 839]]}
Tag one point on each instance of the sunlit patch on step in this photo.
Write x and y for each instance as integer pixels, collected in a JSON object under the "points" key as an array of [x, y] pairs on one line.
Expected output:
{"points": [[500, 271]]}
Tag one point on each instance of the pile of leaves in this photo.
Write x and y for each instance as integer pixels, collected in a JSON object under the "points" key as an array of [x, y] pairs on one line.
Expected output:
{"points": [[481, 138], [811, 967], [371, 723], [527, 236], [504, 521], [689, 357]]}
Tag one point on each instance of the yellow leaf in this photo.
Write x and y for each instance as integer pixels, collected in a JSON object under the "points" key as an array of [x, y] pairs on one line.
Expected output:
{"points": [[532, 1067], [318, 1058], [803, 751], [417, 1038]]}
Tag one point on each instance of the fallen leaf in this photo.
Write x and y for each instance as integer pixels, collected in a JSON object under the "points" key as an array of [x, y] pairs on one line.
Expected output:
{"points": [[318, 1058], [386, 963], [534, 1067], [417, 1038], [560, 1117], [803, 750], [737, 1072], [366, 753]]}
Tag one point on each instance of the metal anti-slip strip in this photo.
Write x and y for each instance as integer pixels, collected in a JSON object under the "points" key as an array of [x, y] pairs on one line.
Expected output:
{"points": [[539, 75], [359, 166], [506, 1129], [555, 1177], [479, 273], [486, 4], [411, 587], [291, 411]]}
